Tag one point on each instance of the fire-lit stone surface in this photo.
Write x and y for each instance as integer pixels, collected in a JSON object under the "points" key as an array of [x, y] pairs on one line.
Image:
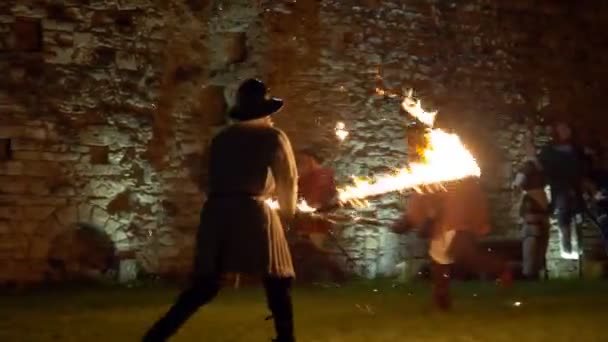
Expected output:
{"points": [[109, 105]]}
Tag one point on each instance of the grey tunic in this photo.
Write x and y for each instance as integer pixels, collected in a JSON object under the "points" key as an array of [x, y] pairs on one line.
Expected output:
{"points": [[238, 232]]}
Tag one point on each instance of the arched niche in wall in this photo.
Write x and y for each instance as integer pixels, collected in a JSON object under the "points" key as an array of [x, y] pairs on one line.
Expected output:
{"points": [[77, 241]]}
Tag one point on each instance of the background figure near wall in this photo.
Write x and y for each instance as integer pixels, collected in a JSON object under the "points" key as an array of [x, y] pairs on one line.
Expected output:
{"points": [[563, 164], [312, 253], [534, 213]]}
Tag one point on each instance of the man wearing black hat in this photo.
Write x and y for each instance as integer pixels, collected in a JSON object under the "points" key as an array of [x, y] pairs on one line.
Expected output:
{"points": [[239, 233]]}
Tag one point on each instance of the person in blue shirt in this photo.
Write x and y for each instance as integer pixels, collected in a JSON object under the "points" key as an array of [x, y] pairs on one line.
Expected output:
{"points": [[563, 163]]}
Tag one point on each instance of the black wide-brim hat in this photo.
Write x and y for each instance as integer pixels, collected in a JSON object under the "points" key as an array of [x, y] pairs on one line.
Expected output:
{"points": [[252, 102]]}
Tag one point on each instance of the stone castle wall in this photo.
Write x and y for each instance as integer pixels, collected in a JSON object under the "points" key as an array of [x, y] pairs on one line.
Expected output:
{"points": [[107, 105]]}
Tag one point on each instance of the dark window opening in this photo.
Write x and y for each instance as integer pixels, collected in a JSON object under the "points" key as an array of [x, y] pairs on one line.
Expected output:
{"points": [[99, 155], [124, 22], [27, 35], [57, 11], [105, 56], [5, 149]]}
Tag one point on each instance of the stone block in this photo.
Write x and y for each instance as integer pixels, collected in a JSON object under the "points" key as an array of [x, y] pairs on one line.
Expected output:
{"points": [[104, 136], [63, 191], [50, 156], [126, 60], [78, 55], [11, 185], [103, 188], [22, 144], [59, 55], [26, 200], [167, 240], [11, 131], [11, 213], [99, 217], [61, 157], [101, 202], [235, 47], [181, 186], [128, 270], [63, 39], [5, 226], [58, 25], [38, 187], [166, 252], [28, 227], [116, 157], [79, 148], [48, 169], [99, 170], [83, 38], [36, 133], [38, 212], [67, 216], [84, 213], [112, 226], [119, 236], [27, 155], [212, 106]]}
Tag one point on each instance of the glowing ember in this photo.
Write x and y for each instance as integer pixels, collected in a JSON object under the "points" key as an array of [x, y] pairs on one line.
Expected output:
{"points": [[383, 92], [302, 206], [414, 107], [341, 131]]}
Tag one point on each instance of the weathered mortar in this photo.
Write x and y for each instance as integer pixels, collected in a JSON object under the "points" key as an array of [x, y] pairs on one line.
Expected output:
{"points": [[108, 105]]}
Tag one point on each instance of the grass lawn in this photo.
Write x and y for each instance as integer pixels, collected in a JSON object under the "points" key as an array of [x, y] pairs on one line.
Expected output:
{"points": [[379, 311]]}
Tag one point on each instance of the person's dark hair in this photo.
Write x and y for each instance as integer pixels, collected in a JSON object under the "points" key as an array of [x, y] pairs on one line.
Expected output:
{"points": [[555, 137]]}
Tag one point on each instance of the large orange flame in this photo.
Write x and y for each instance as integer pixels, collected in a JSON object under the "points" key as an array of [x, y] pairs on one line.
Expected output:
{"points": [[444, 159]]}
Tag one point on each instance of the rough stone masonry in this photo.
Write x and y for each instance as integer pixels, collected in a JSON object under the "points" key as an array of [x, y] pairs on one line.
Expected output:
{"points": [[106, 106]]}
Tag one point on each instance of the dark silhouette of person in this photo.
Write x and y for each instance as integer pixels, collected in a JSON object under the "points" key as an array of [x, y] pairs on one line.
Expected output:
{"points": [[239, 232], [563, 164]]}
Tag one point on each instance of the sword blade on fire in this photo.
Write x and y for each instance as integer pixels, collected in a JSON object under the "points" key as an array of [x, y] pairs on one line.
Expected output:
{"points": [[444, 159]]}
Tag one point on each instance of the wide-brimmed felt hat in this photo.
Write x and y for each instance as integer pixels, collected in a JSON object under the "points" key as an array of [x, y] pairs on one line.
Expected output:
{"points": [[252, 101]]}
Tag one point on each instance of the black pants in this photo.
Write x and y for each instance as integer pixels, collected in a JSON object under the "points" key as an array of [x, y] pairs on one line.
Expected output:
{"points": [[204, 289]]}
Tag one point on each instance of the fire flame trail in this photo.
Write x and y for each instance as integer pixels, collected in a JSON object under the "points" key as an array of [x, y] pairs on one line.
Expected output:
{"points": [[444, 159], [414, 107], [341, 131]]}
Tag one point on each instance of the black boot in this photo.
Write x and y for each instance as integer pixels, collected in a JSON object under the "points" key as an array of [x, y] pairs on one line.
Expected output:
{"points": [[279, 303], [284, 330]]}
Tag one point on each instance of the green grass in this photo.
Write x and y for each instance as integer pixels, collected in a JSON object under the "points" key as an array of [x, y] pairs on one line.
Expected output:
{"points": [[555, 311]]}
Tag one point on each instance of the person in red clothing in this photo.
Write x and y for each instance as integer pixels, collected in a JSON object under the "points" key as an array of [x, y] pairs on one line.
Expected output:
{"points": [[318, 182], [316, 185], [453, 220]]}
